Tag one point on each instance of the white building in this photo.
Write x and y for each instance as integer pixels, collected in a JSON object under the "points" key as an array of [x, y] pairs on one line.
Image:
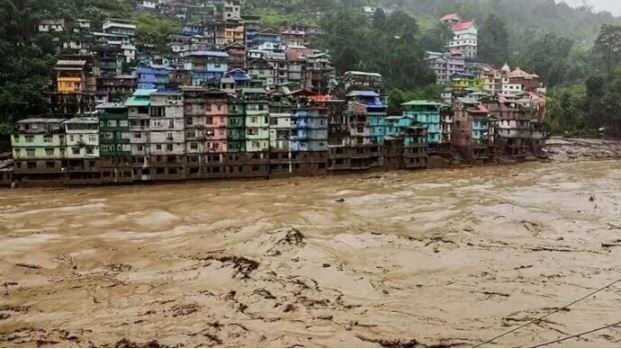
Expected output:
{"points": [[52, 25], [82, 138], [465, 38], [167, 124], [232, 9]]}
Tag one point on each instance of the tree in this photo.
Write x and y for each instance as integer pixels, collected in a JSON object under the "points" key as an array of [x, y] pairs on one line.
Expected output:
{"points": [[494, 41], [379, 19], [607, 49], [549, 56], [437, 38]]}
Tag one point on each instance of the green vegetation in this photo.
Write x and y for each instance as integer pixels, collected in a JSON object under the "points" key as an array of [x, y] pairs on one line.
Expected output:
{"points": [[155, 30]]}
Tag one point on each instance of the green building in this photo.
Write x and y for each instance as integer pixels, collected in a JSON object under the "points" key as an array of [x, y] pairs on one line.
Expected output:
{"points": [[114, 136], [426, 114], [236, 126]]}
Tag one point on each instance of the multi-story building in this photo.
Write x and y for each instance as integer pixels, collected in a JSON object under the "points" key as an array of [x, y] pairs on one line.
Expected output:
{"points": [[166, 138], [406, 144], [446, 65], [257, 132], [426, 114], [319, 73], [465, 38], [356, 80], [206, 67], [139, 126], [120, 27], [234, 31], [473, 134], [232, 9], [237, 56], [82, 163], [216, 111], [366, 123], [154, 76], [114, 143], [75, 88], [195, 125], [514, 130], [39, 149]]}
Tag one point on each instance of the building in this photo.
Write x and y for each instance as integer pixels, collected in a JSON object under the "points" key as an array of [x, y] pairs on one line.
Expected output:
{"points": [[365, 122], [471, 134], [405, 146], [39, 149], [52, 26], [465, 38], [426, 114], [206, 67], [74, 88], [513, 132], [153, 76], [236, 56], [356, 80], [122, 27], [232, 9], [82, 162], [446, 65], [166, 143], [114, 143]]}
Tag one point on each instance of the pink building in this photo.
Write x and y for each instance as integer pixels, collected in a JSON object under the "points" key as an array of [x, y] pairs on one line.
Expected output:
{"points": [[216, 111]]}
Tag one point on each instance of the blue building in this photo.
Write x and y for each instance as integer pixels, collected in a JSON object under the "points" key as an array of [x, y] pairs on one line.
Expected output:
{"points": [[368, 117], [152, 76], [206, 67]]}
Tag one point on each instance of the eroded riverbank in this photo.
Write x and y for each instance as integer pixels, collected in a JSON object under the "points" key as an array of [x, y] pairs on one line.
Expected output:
{"points": [[446, 257]]}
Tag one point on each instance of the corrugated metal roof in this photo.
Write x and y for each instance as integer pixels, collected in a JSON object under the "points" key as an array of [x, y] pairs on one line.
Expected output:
{"points": [[209, 53], [421, 102], [362, 94]]}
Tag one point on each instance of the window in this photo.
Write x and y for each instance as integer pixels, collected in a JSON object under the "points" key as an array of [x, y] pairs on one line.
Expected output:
{"points": [[30, 152], [158, 147], [189, 121], [194, 146], [29, 139], [47, 139], [92, 138], [71, 138], [137, 135], [169, 147], [123, 123], [209, 120], [171, 123], [75, 151], [50, 165], [49, 152]]}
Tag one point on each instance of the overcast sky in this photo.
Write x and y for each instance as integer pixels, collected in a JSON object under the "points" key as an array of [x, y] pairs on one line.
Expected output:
{"points": [[613, 6]]}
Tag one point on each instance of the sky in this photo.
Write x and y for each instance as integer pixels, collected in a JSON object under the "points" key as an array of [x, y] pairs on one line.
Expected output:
{"points": [[613, 6]]}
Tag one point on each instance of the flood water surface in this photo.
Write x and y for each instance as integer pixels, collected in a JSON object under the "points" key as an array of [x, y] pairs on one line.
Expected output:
{"points": [[449, 258]]}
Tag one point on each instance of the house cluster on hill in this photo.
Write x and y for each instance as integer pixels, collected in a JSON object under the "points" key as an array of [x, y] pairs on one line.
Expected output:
{"points": [[235, 100]]}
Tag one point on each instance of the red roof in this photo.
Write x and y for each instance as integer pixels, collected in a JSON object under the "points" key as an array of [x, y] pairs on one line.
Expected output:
{"points": [[462, 25], [450, 16], [298, 54]]}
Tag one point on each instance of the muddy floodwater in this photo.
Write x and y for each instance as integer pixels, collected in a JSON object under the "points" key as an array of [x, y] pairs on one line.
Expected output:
{"points": [[434, 258]]}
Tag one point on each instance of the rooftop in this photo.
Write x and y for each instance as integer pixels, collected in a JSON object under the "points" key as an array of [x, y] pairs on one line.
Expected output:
{"points": [[422, 102]]}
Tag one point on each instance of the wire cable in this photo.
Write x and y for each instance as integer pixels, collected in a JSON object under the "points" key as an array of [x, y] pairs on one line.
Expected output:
{"points": [[576, 335], [548, 314]]}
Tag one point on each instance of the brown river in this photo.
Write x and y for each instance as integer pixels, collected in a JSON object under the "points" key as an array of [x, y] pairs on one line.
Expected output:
{"points": [[434, 258]]}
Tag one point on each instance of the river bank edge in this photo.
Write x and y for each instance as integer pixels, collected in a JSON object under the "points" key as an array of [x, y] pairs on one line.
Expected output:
{"points": [[556, 149]]}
